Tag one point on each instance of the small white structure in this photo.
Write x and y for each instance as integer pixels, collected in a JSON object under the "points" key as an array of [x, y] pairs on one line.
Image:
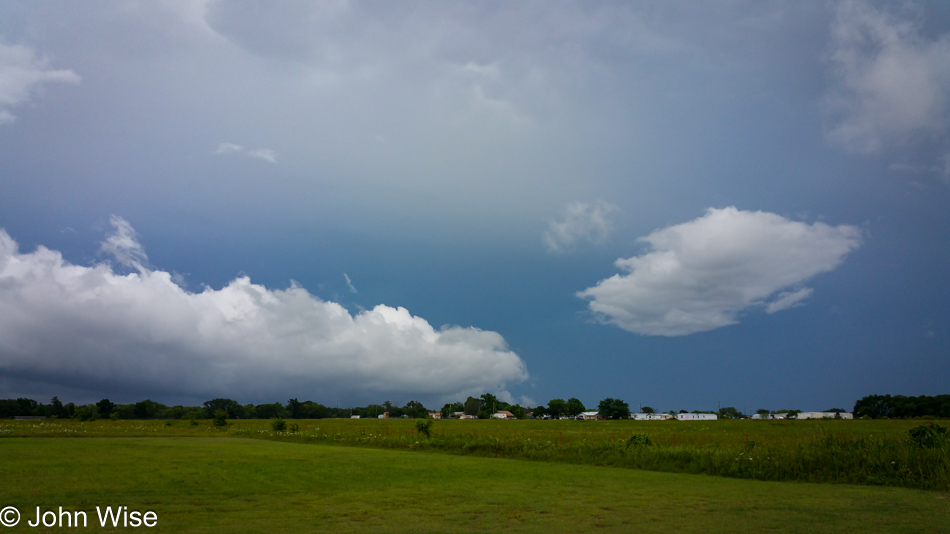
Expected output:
{"points": [[354, 417], [503, 414], [696, 417], [588, 416], [651, 416], [825, 415]]}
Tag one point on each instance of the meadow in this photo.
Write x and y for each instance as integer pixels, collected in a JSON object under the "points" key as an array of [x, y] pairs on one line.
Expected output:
{"points": [[878, 452], [209, 482]]}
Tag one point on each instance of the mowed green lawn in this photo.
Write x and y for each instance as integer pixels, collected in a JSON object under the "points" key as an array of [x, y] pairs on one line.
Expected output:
{"points": [[221, 484]]}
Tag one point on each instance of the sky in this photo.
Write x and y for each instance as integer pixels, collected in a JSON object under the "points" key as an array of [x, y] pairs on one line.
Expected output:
{"points": [[682, 205]]}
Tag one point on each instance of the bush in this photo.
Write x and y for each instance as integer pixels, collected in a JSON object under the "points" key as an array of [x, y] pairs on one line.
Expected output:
{"points": [[424, 426], [639, 440], [220, 418], [929, 436], [278, 424], [293, 428]]}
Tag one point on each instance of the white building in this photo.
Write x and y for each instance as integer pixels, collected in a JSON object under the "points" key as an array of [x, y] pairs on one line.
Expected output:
{"points": [[651, 416], [588, 416], [825, 415], [696, 417], [768, 416]]}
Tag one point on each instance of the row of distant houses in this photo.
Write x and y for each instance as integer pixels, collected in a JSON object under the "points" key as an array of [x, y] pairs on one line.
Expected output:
{"points": [[806, 415], [592, 416]]}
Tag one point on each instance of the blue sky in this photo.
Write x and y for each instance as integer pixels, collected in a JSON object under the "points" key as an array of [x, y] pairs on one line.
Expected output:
{"points": [[673, 203]]}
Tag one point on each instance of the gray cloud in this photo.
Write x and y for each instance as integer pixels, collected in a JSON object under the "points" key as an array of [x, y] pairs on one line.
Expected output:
{"points": [[22, 74], [68, 324], [581, 222], [892, 84], [700, 275]]}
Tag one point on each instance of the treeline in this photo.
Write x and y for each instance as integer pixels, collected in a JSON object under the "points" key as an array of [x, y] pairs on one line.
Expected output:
{"points": [[483, 407], [149, 409], [902, 407]]}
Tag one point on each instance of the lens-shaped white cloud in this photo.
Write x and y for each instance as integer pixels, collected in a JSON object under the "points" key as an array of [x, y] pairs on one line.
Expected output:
{"points": [[701, 275], [100, 331]]}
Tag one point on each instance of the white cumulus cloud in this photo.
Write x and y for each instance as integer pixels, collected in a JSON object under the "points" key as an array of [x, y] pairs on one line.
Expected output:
{"points": [[581, 221], [22, 73], [95, 330], [891, 83], [700, 275]]}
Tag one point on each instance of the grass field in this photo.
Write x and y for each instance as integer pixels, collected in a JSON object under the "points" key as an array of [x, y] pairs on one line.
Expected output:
{"points": [[856, 452], [215, 483]]}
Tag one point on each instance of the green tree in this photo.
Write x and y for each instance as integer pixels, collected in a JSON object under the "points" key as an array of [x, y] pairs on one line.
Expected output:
{"points": [[270, 411], [451, 408], [557, 408], [105, 407], [730, 412], [471, 406], [611, 408], [57, 409], [647, 409], [230, 406], [415, 410], [293, 408], [86, 413], [873, 406], [490, 403], [147, 409], [573, 407]]}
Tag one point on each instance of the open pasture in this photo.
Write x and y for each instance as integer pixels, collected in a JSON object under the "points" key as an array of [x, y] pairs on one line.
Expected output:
{"points": [[854, 452], [223, 484], [663, 433]]}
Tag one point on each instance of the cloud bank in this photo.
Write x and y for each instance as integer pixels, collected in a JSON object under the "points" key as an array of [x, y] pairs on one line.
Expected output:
{"points": [[22, 74], [701, 275], [582, 221], [94, 329], [891, 82]]}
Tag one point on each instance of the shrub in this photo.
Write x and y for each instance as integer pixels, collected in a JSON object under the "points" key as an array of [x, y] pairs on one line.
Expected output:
{"points": [[220, 418], [278, 424], [639, 440], [194, 422], [424, 426], [293, 428], [929, 436]]}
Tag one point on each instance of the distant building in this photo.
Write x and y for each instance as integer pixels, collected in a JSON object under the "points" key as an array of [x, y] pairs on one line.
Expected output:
{"points": [[588, 416], [463, 416], [384, 415], [435, 415], [651, 416], [354, 417], [825, 415], [503, 414], [696, 417]]}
